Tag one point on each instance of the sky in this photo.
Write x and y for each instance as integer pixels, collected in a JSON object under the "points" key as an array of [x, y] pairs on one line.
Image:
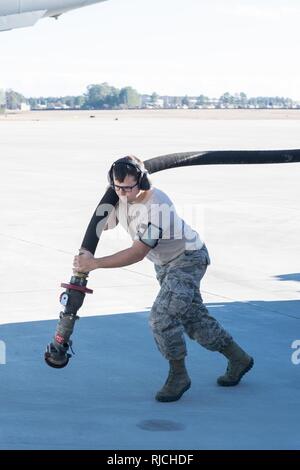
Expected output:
{"points": [[172, 47]]}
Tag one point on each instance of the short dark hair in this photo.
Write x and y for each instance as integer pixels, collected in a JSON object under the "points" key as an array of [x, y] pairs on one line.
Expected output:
{"points": [[121, 171]]}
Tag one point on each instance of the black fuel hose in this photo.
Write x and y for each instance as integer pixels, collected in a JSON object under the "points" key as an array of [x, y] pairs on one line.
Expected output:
{"points": [[174, 160]]}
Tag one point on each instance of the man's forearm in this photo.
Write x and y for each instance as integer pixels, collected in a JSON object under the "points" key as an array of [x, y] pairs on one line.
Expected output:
{"points": [[122, 258], [85, 261]]}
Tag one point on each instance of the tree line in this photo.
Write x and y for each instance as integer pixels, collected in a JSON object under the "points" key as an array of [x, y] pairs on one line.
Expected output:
{"points": [[97, 96], [104, 96]]}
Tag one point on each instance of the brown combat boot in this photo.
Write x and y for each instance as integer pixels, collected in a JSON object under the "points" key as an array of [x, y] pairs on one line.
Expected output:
{"points": [[239, 362], [177, 382]]}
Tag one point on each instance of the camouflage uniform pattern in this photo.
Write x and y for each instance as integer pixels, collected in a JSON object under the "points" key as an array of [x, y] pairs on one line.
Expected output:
{"points": [[179, 307]]}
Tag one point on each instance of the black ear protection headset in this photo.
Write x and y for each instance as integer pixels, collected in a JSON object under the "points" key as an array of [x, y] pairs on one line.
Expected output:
{"points": [[142, 174]]}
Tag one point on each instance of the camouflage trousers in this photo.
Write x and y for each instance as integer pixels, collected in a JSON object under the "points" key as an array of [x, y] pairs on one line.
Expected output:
{"points": [[179, 307]]}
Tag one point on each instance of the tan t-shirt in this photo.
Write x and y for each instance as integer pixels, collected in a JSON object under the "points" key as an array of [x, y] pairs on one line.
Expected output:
{"points": [[156, 223]]}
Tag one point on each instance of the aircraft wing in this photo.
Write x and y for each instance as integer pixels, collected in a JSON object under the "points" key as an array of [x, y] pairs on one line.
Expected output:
{"points": [[20, 20]]}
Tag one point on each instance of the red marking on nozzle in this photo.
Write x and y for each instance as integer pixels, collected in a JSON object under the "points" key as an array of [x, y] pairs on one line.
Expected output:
{"points": [[82, 289], [59, 339]]}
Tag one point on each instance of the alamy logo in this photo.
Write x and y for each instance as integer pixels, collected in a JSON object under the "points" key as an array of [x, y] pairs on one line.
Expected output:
{"points": [[161, 215], [2, 352], [296, 354]]}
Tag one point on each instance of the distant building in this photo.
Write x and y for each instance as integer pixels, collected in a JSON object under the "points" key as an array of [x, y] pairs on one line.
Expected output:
{"points": [[2, 101], [145, 100], [159, 103], [40, 106], [193, 102], [171, 101], [24, 107], [148, 102]]}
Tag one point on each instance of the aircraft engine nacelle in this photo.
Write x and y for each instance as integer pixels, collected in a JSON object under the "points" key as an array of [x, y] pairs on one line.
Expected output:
{"points": [[22, 13]]}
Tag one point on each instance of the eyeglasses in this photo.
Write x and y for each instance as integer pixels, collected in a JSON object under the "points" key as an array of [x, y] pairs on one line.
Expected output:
{"points": [[126, 189]]}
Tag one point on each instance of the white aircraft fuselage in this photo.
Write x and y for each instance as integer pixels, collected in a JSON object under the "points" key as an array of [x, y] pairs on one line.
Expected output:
{"points": [[22, 13]]}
